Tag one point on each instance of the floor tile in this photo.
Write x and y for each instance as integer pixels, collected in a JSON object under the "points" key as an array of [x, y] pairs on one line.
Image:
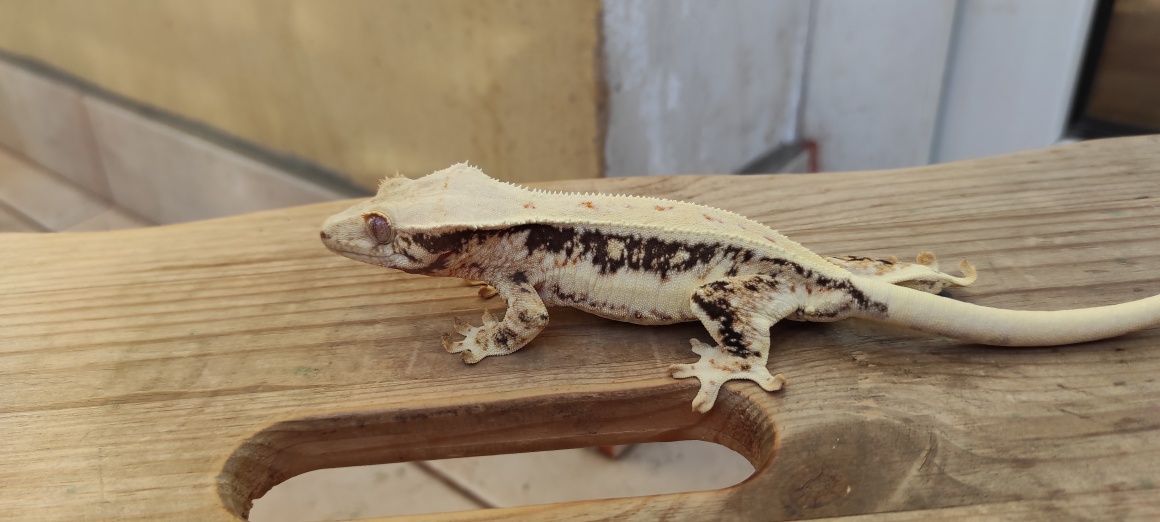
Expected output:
{"points": [[9, 135], [365, 491], [11, 221], [45, 120], [110, 219], [558, 476], [168, 176], [47, 199]]}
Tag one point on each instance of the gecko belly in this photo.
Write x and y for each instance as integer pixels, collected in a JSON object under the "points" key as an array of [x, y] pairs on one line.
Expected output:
{"points": [[629, 296]]}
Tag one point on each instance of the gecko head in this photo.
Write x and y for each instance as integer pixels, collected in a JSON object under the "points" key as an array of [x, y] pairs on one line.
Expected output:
{"points": [[367, 232], [362, 232]]}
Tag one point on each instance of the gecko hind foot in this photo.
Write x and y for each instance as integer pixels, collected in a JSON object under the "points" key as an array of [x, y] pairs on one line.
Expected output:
{"points": [[716, 367], [938, 280], [475, 344], [923, 274]]}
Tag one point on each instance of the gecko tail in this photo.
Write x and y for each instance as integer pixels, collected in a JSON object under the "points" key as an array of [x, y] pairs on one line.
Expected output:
{"points": [[998, 327]]}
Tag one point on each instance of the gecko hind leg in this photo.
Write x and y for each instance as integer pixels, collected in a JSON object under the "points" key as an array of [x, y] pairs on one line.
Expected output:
{"points": [[737, 313], [923, 274]]}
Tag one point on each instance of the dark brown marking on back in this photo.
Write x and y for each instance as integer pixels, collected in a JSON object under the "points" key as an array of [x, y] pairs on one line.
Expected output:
{"points": [[609, 253], [449, 242], [647, 254]]}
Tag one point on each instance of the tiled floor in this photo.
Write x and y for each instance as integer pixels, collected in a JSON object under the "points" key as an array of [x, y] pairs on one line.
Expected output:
{"points": [[35, 200], [45, 120], [201, 180], [152, 166]]}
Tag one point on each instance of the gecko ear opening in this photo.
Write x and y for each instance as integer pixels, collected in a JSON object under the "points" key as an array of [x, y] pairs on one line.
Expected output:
{"points": [[379, 227]]}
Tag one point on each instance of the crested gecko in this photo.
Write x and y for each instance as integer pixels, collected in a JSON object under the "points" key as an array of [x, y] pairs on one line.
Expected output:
{"points": [[654, 261]]}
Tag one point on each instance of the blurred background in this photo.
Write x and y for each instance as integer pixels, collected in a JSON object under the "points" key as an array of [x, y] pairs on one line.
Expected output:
{"points": [[121, 113]]}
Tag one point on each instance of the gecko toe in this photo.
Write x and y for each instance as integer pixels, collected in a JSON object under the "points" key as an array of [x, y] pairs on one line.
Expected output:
{"points": [[461, 326], [970, 275], [475, 353], [706, 397], [700, 348], [682, 371], [771, 383], [452, 346], [477, 343], [716, 367]]}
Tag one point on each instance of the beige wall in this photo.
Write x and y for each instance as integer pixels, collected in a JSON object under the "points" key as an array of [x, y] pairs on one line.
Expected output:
{"points": [[366, 87]]}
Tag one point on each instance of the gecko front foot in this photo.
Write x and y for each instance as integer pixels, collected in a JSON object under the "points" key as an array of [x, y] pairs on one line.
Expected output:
{"points": [[717, 366], [478, 342]]}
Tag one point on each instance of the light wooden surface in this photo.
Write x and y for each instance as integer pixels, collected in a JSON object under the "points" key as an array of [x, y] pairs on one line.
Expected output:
{"points": [[178, 372]]}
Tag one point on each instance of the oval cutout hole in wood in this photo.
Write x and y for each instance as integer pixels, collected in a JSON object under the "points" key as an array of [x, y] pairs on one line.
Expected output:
{"points": [[290, 448], [439, 486]]}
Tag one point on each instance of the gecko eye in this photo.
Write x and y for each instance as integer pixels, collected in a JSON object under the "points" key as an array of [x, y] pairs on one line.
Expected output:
{"points": [[379, 228]]}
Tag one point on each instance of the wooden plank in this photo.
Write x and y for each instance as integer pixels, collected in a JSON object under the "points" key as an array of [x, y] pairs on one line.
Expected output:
{"points": [[180, 371], [1107, 505]]}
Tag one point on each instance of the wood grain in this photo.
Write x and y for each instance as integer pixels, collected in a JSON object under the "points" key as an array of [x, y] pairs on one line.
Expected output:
{"points": [[179, 372]]}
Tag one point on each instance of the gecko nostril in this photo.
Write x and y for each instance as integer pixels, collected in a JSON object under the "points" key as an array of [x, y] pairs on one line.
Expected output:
{"points": [[324, 235]]}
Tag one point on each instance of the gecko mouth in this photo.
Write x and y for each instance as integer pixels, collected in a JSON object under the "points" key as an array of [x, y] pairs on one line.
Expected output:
{"points": [[359, 256]]}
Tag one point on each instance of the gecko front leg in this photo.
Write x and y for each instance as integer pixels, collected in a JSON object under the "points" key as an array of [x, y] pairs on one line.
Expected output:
{"points": [[738, 313], [525, 318]]}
